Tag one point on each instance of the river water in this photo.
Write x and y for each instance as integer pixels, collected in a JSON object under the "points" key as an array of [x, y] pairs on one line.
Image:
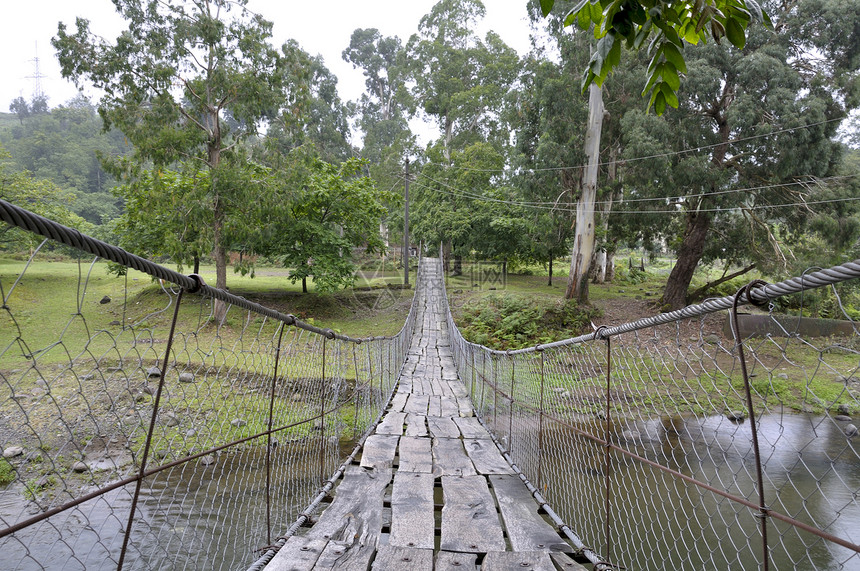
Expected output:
{"points": [[213, 517], [811, 473]]}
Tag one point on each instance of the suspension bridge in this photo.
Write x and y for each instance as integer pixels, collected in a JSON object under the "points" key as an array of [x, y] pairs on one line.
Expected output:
{"points": [[168, 440]]}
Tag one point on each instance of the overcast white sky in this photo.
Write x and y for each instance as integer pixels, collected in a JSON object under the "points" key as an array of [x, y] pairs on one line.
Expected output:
{"points": [[319, 27]]}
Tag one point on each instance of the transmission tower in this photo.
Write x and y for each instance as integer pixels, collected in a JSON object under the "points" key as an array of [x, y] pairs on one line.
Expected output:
{"points": [[37, 76]]}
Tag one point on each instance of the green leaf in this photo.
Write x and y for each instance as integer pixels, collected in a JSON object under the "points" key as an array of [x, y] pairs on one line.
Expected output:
{"points": [[673, 54], [596, 13], [659, 102], [669, 94], [735, 33], [670, 75], [546, 7]]}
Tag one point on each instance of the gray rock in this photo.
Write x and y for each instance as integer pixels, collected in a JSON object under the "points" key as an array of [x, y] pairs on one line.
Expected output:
{"points": [[106, 299], [153, 372], [170, 419], [843, 417], [12, 451], [79, 467], [190, 433], [186, 378], [207, 460], [558, 390], [161, 454], [782, 376], [712, 339], [850, 431], [238, 422], [114, 322], [843, 409], [88, 377], [736, 415], [148, 390], [631, 435]]}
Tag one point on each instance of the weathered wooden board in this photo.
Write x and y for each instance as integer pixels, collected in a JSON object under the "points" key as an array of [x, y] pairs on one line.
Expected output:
{"points": [[566, 563], [486, 457], [297, 554], [458, 388], [450, 459], [449, 561], [469, 520], [412, 519], [392, 423], [507, 560], [355, 515], [471, 428], [378, 451], [415, 455], [345, 555], [391, 557], [435, 408], [416, 425], [417, 404], [399, 401], [448, 406], [442, 427], [527, 530]]}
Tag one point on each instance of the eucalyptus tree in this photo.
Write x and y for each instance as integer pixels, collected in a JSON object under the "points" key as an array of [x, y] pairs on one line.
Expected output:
{"points": [[171, 76], [741, 158]]}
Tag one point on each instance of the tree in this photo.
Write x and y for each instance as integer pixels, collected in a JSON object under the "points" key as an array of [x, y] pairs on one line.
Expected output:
{"points": [[170, 78], [671, 24], [20, 108], [761, 124], [39, 196], [316, 215]]}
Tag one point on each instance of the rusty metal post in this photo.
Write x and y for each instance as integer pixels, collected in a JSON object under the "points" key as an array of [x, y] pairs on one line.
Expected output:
{"points": [[495, 392], [269, 438], [355, 390], [607, 449], [540, 424], [511, 409], [322, 414], [146, 446]]}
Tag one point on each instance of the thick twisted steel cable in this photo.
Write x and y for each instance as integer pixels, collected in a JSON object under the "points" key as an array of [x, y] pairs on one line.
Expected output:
{"points": [[26, 220]]}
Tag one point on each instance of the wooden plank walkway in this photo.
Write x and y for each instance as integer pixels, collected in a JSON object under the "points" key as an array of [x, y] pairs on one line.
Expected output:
{"points": [[431, 490]]}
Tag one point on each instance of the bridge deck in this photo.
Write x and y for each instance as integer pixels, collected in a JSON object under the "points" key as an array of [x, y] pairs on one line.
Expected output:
{"points": [[431, 490]]}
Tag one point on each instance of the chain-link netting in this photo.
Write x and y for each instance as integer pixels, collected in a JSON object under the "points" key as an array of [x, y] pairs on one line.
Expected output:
{"points": [[639, 437], [140, 432]]}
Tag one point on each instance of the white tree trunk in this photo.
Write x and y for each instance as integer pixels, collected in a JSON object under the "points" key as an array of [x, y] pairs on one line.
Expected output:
{"points": [[583, 241]]}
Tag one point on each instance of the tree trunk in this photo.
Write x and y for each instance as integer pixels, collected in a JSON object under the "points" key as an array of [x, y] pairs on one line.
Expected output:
{"points": [[610, 267], [458, 265], [583, 241], [304, 285], [549, 282], [196, 264], [689, 254], [220, 255], [600, 262]]}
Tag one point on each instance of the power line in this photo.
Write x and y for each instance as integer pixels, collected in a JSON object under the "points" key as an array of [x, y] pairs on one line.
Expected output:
{"points": [[453, 191], [655, 156]]}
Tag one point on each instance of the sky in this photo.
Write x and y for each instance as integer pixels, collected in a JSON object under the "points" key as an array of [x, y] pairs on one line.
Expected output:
{"points": [[26, 29]]}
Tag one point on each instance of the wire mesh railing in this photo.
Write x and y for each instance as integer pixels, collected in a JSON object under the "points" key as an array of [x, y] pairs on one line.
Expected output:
{"points": [[640, 437], [139, 432]]}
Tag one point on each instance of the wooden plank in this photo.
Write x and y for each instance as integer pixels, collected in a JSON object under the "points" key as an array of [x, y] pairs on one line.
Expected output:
{"points": [[458, 388], [450, 459], [355, 515], [392, 424], [442, 427], [448, 406], [412, 518], [345, 555], [435, 408], [398, 402], [448, 561], [416, 425], [466, 410], [390, 557], [297, 554], [417, 404], [527, 530], [486, 457], [471, 428], [378, 451], [564, 562], [415, 455], [507, 560], [469, 520]]}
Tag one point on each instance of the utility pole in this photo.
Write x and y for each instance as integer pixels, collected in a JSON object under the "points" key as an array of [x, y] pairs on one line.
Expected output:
{"points": [[406, 226]]}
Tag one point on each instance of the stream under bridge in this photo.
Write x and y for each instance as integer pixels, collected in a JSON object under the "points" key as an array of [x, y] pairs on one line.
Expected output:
{"points": [[140, 432]]}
